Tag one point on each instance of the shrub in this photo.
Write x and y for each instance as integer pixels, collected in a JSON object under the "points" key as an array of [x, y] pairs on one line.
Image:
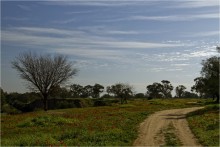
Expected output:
{"points": [[6, 108], [44, 121], [101, 103], [104, 102], [24, 107]]}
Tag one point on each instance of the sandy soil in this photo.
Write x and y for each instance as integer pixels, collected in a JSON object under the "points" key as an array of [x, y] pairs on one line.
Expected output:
{"points": [[150, 129]]}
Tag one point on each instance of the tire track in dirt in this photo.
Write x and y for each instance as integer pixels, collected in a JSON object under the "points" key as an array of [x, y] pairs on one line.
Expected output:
{"points": [[149, 131]]}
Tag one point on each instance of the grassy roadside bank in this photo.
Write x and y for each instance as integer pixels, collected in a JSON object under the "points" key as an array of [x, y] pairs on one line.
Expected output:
{"points": [[204, 124], [94, 126]]}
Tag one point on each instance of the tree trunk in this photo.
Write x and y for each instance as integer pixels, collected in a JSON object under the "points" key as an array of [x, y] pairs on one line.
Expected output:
{"points": [[45, 102], [121, 100], [217, 98], [125, 100]]}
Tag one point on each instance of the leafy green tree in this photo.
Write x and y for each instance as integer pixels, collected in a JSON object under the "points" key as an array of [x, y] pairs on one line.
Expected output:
{"points": [[210, 72], [106, 96], [11, 97], [166, 89], [44, 72], [188, 94], [139, 95], [76, 90], [155, 90], [218, 49], [3, 98], [109, 90], [60, 92], [200, 86], [180, 90], [208, 83], [97, 89], [87, 91], [121, 90]]}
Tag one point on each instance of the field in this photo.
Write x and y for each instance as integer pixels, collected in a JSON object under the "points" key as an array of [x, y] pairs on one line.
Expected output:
{"points": [[93, 126]]}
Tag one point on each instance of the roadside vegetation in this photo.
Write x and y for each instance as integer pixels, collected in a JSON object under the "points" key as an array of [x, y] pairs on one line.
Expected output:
{"points": [[92, 126], [204, 124], [170, 136]]}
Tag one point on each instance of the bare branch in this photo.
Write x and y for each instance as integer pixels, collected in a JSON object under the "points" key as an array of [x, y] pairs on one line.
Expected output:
{"points": [[44, 72]]}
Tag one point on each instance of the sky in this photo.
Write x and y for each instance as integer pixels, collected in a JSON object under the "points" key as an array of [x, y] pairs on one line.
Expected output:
{"points": [[136, 42]]}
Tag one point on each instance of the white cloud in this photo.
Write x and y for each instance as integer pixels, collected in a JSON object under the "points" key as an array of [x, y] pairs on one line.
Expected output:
{"points": [[36, 36], [181, 58], [103, 30], [179, 65], [203, 53], [196, 3], [189, 17], [24, 7], [64, 21], [176, 17], [137, 45], [125, 53], [103, 3], [83, 64], [157, 69], [115, 3], [79, 12], [174, 69], [115, 32], [38, 30], [203, 34], [92, 53]]}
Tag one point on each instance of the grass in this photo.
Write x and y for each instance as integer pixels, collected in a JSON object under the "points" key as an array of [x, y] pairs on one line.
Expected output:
{"points": [[204, 124], [170, 136], [95, 126]]}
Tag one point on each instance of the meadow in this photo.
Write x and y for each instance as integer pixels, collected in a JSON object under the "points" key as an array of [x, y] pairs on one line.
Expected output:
{"points": [[114, 125]]}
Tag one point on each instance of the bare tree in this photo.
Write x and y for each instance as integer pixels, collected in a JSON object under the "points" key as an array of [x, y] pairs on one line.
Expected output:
{"points": [[43, 72]]}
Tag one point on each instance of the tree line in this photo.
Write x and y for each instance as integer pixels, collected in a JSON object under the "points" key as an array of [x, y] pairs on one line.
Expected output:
{"points": [[120, 91], [46, 73]]}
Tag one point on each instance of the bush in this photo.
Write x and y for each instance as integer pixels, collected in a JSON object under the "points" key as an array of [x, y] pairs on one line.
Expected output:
{"points": [[24, 107], [205, 110], [104, 102], [106, 96], [101, 103], [6, 108], [62, 103], [150, 98]]}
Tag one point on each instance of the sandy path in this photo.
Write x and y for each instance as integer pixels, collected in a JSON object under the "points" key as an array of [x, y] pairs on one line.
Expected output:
{"points": [[150, 129]]}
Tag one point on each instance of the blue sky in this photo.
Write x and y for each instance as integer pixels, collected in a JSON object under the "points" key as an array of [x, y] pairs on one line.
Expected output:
{"points": [[134, 42]]}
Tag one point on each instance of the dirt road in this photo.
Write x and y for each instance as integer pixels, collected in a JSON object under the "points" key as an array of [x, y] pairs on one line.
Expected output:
{"points": [[150, 130]]}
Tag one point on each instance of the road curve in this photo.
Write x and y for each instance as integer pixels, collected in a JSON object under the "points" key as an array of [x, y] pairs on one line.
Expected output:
{"points": [[150, 129]]}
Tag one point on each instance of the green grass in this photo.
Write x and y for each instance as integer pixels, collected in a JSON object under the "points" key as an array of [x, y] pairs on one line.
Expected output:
{"points": [[204, 124], [170, 136], [95, 126], [46, 121]]}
